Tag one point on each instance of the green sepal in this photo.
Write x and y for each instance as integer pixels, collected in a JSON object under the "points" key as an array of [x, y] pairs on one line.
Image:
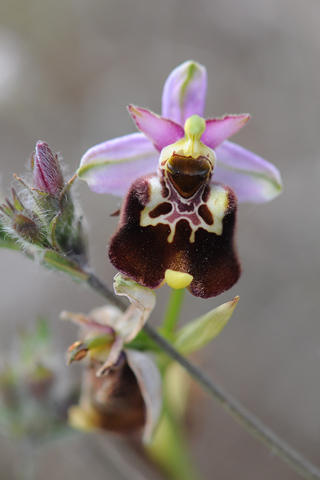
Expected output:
{"points": [[24, 225], [196, 334], [16, 202], [62, 224], [45, 205], [66, 228], [8, 241], [58, 261], [52, 231], [143, 342]]}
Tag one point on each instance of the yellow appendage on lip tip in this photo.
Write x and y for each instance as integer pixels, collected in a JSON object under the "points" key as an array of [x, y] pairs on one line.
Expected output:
{"points": [[177, 280]]}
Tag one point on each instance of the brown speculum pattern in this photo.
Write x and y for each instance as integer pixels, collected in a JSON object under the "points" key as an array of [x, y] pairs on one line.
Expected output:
{"points": [[176, 220]]}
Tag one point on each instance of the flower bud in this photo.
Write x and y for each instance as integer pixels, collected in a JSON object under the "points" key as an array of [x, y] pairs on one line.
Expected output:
{"points": [[47, 175]]}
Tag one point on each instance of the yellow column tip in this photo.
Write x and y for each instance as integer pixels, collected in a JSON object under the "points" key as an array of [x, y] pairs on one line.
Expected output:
{"points": [[177, 280], [194, 126]]}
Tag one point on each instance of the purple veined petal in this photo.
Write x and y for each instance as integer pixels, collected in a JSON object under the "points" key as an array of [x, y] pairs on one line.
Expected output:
{"points": [[251, 177], [184, 92], [159, 130], [112, 166], [219, 129]]}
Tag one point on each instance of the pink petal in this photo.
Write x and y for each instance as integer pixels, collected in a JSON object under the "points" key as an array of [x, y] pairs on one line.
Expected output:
{"points": [[159, 130], [251, 177], [184, 93], [219, 129], [112, 166]]}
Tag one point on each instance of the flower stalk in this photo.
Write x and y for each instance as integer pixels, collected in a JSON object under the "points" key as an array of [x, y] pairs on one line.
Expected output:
{"points": [[173, 311], [229, 404], [176, 226], [239, 413]]}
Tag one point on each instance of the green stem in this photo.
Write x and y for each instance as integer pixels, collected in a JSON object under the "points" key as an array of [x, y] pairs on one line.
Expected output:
{"points": [[169, 450], [173, 311], [243, 416], [252, 424]]}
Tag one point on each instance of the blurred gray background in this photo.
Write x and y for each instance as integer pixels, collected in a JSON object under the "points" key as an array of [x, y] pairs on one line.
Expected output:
{"points": [[67, 71]]}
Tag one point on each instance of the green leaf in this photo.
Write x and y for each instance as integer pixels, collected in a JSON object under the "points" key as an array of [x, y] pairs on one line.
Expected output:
{"points": [[196, 334], [58, 261]]}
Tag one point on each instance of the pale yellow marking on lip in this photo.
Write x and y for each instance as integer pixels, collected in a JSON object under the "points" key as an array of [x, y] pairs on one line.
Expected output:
{"points": [[177, 280], [217, 204]]}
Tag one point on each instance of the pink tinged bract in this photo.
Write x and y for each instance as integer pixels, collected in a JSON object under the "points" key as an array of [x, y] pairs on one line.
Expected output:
{"points": [[112, 166]]}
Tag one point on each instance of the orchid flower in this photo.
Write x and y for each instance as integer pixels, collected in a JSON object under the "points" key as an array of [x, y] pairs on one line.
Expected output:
{"points": [[112, 166], [121, 388], [177, 225]]}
